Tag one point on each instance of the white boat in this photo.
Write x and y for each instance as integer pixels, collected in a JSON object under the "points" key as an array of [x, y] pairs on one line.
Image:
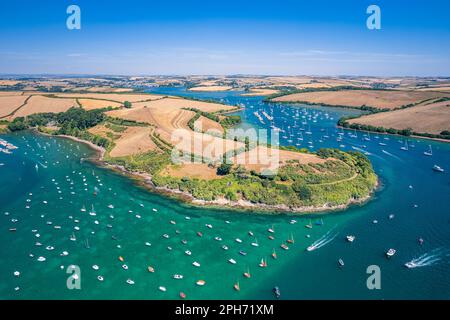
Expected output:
{"points": [[224, 247], [410, 265], [238, 240], [232, 261], [129, 281], [438, 168], [187, 252], [350, 238], [405, 147], [196, 264], [391, 216], [201, 283], [429, 153], [178, 276], [390, 253]]}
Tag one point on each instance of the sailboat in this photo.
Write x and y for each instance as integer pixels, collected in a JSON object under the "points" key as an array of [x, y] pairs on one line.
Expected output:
{"points": [[291, 239], [263, 263], [274, 254], [309, 226], [405, 147], [247, 274], [236, 286], [92, 212], [429, 152]]}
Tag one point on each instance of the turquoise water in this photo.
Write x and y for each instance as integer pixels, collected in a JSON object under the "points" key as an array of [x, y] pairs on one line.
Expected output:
{"points": [[50, 169]]}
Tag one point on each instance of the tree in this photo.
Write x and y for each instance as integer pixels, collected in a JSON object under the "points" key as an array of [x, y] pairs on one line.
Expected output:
{"points": [[127, 104], [302, 190], [18, 124], [224, 169]]}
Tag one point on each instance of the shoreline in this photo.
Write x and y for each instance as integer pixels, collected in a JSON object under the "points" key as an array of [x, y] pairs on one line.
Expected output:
{"points": [[145, 180], [397, 135], [357, 108]]}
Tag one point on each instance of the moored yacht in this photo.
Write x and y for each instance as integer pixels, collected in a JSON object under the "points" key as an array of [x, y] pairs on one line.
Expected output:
{"points": [[438, 168], [390, 253]]}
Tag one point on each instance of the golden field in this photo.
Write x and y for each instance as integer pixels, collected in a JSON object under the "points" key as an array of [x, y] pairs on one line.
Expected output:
{"points": [[432, 118], [382, 99]]}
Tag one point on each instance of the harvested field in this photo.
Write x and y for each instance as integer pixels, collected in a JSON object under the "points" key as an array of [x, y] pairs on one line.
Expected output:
{"points": [[168, 117], [179, 103], [433, 118], [261, 158], [11, 93], [91, 104], [442, 89], [102, 131], [39, 104], [10, 103], [204, 124], [134, 140], [191, 170], [358, 98], [110, 96], [8, 82]]}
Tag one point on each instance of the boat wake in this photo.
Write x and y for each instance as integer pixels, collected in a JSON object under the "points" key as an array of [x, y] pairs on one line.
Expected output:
{"points": [[324, 240], [427, 259], [391, 155]]}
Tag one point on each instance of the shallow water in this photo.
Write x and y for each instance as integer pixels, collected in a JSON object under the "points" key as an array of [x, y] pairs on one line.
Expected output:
{"points": [[420, 211]]}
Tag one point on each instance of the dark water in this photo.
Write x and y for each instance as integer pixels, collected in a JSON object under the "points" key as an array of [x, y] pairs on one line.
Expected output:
{"points": [[51, 170]]}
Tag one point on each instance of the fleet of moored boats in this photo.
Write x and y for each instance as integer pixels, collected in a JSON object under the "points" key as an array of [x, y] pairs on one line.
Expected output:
{"points": [[294, 133]]}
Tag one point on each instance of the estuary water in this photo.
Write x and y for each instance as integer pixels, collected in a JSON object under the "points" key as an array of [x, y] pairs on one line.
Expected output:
{"points": [[57, 209]]}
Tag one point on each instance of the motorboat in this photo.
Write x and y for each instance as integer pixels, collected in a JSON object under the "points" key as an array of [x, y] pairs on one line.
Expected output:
{"points": [[438, 168], [390, 253]]}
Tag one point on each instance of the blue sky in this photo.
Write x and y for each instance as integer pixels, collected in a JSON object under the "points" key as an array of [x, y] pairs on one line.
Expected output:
{"points": [[226, 37]]}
